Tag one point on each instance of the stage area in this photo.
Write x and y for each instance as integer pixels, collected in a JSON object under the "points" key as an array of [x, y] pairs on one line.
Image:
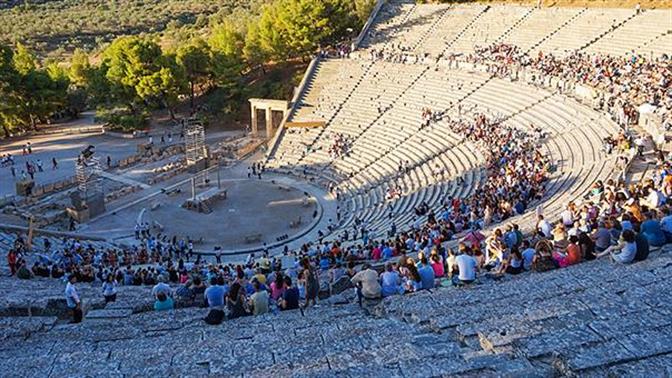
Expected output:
{"points": [[254, 212]]}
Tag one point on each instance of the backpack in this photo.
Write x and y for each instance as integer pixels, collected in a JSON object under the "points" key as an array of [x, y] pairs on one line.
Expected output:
{"points": [[214, 317]]}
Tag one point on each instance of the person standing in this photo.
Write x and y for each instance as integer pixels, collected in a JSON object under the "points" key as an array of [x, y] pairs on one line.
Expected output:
{"points": [[72, 299], [54, 164], [11, 261], [110, 289], [312, 283]]}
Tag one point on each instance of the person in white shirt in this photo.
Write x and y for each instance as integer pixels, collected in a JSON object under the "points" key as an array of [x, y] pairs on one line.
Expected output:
{"points": [[567, 217], [654, 199], [543, 226], [162, 287], [72, 299], [467, 265], [366, 282], [110, 289]]}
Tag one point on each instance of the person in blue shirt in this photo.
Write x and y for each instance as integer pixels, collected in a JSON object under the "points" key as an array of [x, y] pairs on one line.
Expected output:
{"points": [[325, 262], [652, 231], [426, 274], [388, 252], [163, 302], [390, 281], [214, 295]]}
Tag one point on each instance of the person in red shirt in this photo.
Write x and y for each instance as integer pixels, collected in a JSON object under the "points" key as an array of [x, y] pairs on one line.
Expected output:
{"points": [[11, 261], [573, 255]]}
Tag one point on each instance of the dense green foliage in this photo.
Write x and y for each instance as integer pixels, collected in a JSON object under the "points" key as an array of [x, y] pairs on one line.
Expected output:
{"points": [[59, 27], [30, 93], [137, 73]]}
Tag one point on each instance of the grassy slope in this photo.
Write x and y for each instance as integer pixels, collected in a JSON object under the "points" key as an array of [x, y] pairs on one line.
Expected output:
{"points": [[56, 28]]}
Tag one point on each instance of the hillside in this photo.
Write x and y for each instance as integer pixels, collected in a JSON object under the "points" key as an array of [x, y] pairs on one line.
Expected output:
{"points": [[56, 28]]}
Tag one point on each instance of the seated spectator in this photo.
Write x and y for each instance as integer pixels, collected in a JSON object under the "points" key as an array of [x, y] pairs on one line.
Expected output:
{"points": [[23, 272], [366, 283], [390, 281], [335, 274], [587, 246], [467, 267], [625, 251], [666, 223], [426, 274], [413, 282], [290, 297], [110, 289], [571, 256], [278, 286], [214, 295], [652, 230], [236, 302], [163, 302], [602, 237], [450, 263], [437, 264], [543, 258], [259, 300], [642, 247], [162, 287], [514, 264], [528, 255]]}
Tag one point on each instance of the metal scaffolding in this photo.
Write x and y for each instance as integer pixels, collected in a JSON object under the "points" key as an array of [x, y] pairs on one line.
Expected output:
{"points": [[89, 180], [194, 138]]}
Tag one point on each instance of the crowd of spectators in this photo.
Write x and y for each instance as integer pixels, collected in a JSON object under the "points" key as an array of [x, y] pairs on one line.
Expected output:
{"points": [[622, 84]]}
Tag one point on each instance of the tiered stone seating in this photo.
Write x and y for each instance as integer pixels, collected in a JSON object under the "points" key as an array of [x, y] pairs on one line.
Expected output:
{"points": [[385, 83], [390, 24], [540, 24], [489, 27], [586, 27], [378, 106], [593, 319], [659, 45], [449, 28], [7, 241], [329, 88], [650, 25]]}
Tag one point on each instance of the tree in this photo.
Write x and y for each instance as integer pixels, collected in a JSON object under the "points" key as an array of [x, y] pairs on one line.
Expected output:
{"points": [[164, 86], [80, 69], [296, 28], [194, 59], [128, 60], [363, 9], [9, 80], [23, 60], [270, 37], [253, 53], [226, 43]]}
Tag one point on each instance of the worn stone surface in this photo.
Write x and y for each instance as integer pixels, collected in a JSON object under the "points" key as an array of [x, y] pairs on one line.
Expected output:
{"points": [[594, 319]]}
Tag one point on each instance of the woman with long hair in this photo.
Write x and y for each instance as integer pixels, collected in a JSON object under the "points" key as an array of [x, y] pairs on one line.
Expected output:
{"points": [[236, 302]]}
